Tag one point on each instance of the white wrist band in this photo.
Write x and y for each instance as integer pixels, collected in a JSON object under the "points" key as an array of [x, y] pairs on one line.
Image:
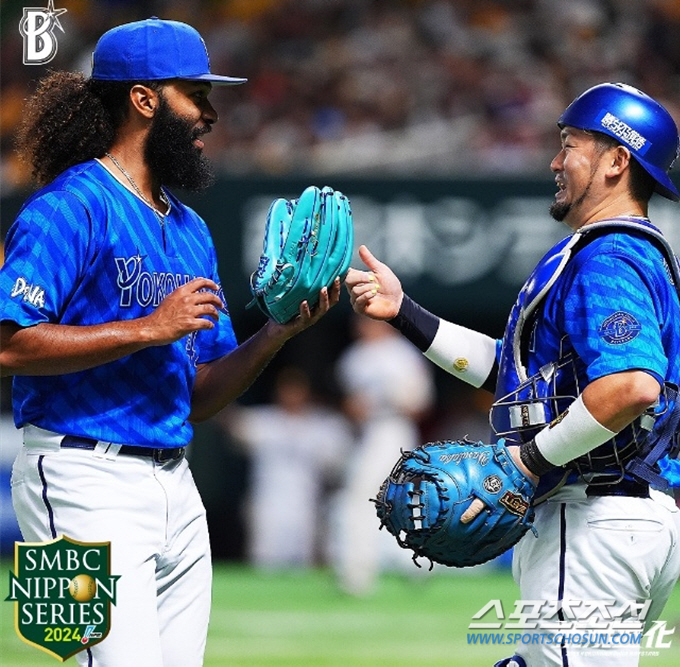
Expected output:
{"points": [[574, 434], [467, 354]]}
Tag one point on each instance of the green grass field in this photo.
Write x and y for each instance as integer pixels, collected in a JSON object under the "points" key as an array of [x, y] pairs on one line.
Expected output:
{"points": [[302, 619]]}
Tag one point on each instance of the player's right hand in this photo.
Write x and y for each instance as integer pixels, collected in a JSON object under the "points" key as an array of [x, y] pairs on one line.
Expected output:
{"points": [[377, 292], [191, 307]]}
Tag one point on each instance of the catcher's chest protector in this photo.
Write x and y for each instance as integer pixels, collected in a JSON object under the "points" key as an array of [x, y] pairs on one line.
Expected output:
{"points": [[514, 416], [525, 402]]}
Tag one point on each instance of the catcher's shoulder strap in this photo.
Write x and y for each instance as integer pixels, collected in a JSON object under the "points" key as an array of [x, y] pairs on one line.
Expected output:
{"points": [[594, 230], [662, 441]]}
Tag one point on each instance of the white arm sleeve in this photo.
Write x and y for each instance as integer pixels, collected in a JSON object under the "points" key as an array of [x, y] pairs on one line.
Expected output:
{"points": [[575, 433], [466, 354]]}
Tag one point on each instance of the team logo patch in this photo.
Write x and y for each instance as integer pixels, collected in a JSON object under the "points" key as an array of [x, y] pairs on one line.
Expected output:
{"points": [[619, 328], [514, 503], [63, 591], [461, 364], [492, 484]]}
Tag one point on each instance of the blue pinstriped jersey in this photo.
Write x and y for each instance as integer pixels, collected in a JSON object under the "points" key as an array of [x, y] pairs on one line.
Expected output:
{"points": [[85, 250], [614, 307]]}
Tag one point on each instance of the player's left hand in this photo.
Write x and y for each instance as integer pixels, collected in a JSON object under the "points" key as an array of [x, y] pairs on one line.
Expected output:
{"points": [[328, 297], [434, 496]]}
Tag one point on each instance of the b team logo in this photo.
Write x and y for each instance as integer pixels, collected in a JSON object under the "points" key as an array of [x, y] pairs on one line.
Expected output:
{"points": [[37, 28], [63, 590], [619, 328]]}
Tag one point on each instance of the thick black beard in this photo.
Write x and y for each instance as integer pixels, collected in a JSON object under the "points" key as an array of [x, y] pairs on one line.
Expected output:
{"points": [[559, 211], [171, 155]]}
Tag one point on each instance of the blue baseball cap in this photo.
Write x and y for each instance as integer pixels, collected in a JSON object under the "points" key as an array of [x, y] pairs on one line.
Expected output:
{"points": [[152, 50]]}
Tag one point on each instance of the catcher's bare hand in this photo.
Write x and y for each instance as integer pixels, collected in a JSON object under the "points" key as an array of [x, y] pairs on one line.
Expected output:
{"points": [[308, 316], [191, 307], [376, 293]]}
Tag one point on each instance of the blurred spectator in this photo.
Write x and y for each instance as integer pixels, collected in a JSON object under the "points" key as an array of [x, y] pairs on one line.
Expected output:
{"points": [[296, 450], [389, 78], [462, 412], [221, 469], [388, 387]]}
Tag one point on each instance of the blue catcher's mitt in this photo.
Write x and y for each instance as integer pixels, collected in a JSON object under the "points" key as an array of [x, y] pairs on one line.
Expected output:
{"points": [[423, 502], [307, 245]]}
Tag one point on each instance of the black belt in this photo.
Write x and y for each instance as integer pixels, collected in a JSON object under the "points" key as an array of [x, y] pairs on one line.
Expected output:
{"points": [[624, 487], [158, 454]]}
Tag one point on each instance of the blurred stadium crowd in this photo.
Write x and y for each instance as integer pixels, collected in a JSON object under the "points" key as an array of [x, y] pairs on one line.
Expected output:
{"points": [[398, 87], [354, 88]]}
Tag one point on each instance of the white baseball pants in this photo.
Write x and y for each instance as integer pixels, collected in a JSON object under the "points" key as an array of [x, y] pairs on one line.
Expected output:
{"points": [[154, 518], [592, 550]]}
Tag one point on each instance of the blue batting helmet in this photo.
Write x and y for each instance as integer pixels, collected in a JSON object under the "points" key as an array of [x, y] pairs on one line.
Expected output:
{"points": [[636, 121]]}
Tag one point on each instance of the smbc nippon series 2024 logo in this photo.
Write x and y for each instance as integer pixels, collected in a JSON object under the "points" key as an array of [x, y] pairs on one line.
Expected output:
{"points": [[63, 592], [37, 28]]}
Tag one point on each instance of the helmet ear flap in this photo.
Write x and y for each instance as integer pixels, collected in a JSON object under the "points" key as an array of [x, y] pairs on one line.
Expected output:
{"points": [[636, 121], [675, 157]]}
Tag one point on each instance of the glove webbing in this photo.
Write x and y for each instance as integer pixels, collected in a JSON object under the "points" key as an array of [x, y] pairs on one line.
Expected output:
{"points": [[399, 476]]}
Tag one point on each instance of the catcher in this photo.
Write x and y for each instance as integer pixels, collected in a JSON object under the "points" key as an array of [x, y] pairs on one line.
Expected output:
{"points": [[585, 379]]}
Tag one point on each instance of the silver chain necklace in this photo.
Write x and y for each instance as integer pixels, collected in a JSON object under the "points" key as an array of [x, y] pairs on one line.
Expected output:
{"points": [[163, 197]]}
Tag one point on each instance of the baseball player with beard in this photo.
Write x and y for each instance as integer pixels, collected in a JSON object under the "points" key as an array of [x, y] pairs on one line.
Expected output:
{"points": [[115, 328], [585, 380]]}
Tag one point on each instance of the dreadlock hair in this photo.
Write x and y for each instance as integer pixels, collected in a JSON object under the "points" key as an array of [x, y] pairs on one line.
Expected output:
{"points": [[641, 184], [71, 119]]}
